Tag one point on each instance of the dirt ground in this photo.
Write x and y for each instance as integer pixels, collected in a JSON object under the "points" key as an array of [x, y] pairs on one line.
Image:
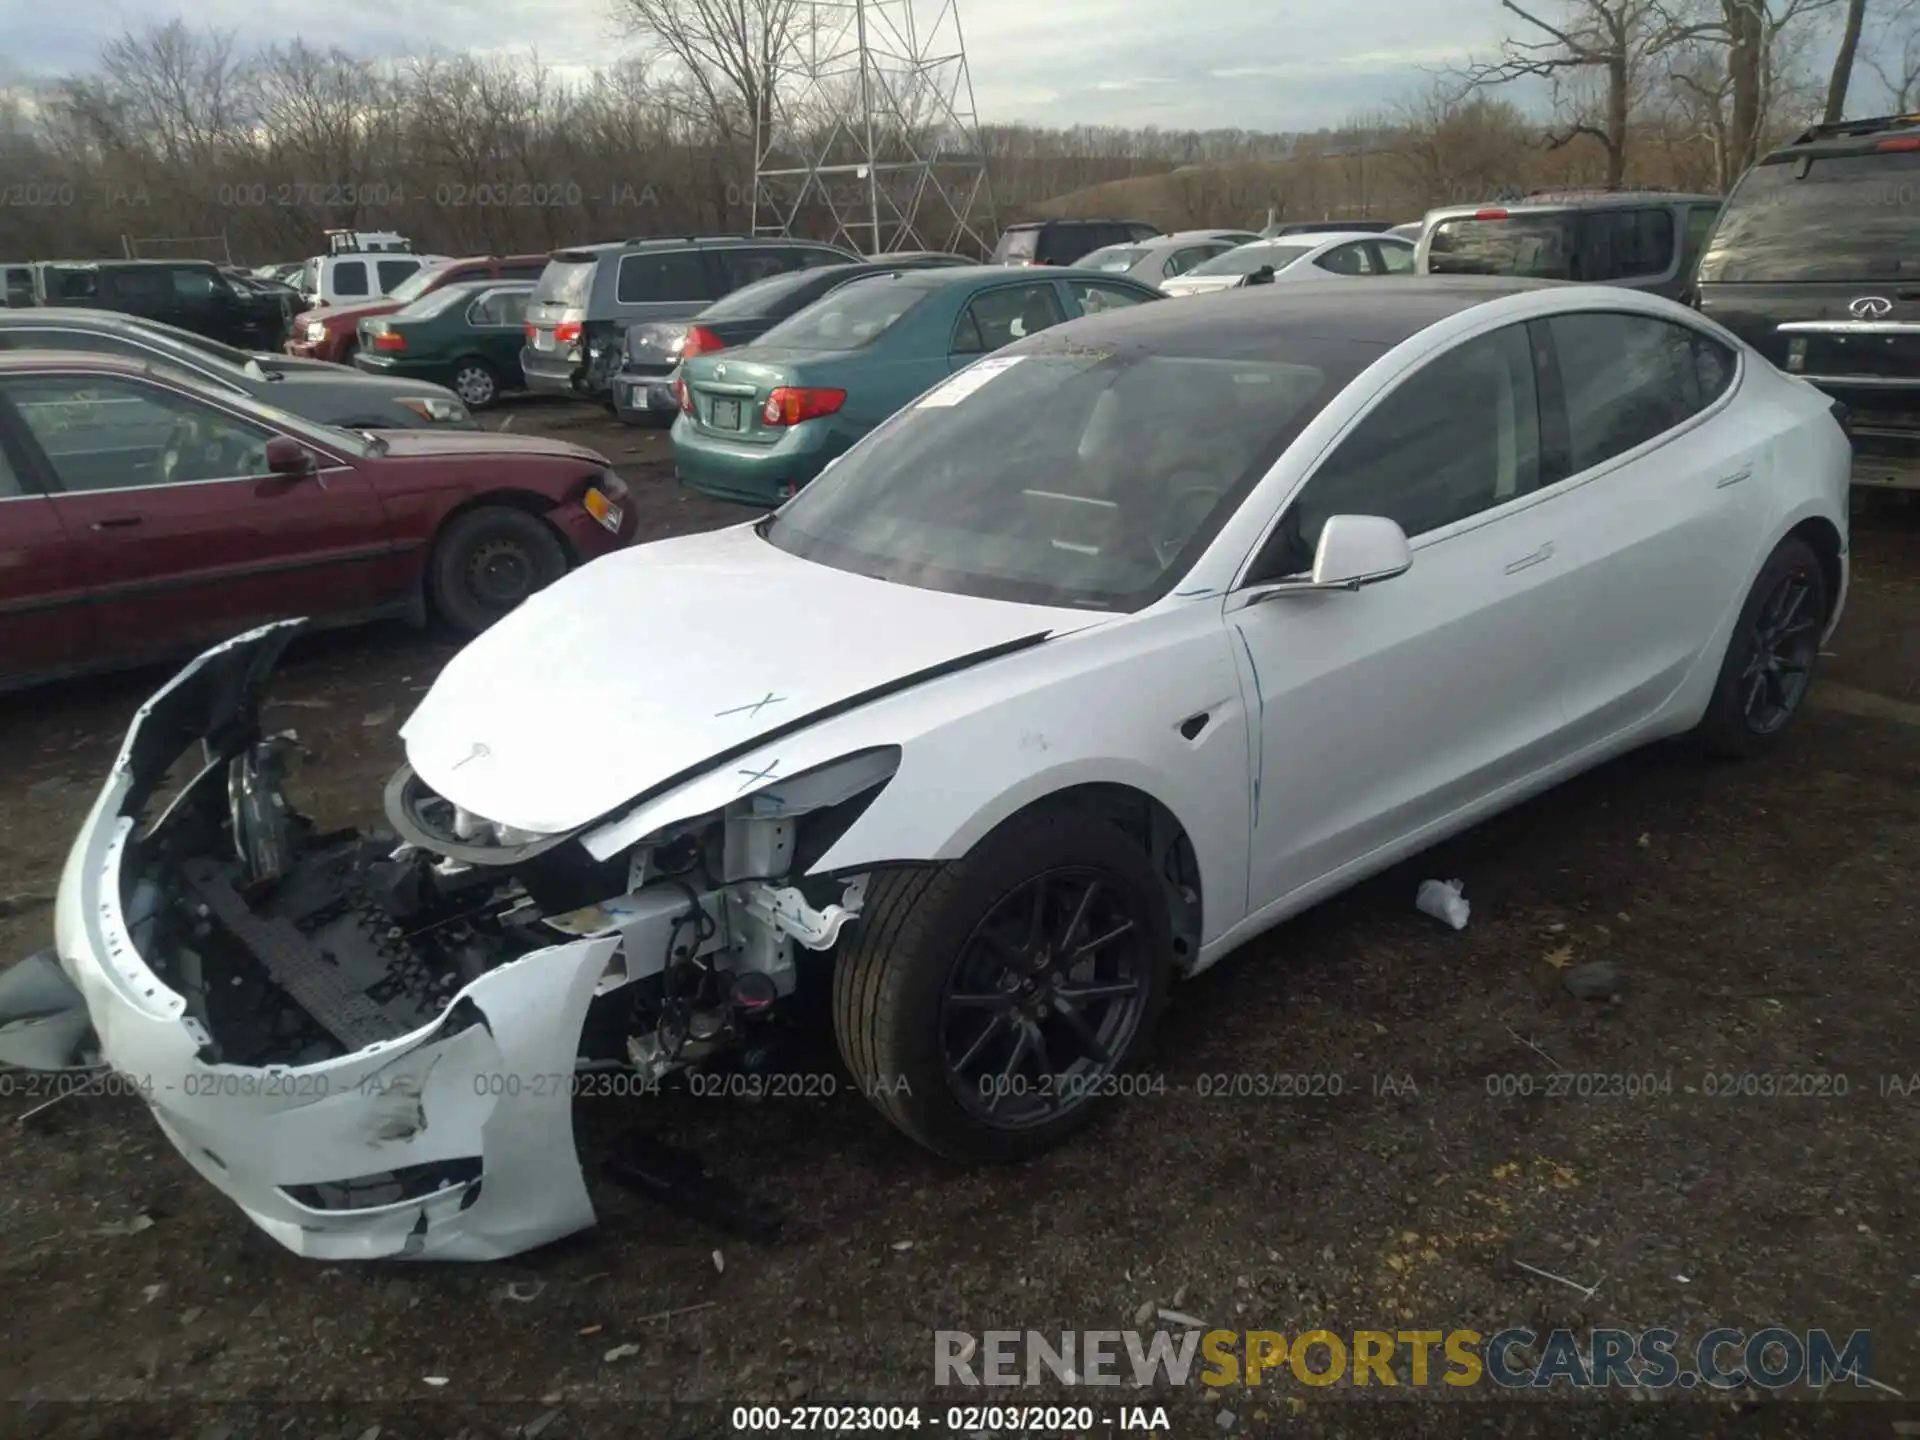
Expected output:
{"points": [[1758, 920]]}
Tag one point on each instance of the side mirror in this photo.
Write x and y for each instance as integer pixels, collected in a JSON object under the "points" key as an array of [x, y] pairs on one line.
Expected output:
{"points": [[1354, 550], [289, 457], [1262, 276]]}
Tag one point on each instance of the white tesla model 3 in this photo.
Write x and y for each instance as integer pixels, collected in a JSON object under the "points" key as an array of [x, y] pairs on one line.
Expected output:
{"points": [[1105, 655]]}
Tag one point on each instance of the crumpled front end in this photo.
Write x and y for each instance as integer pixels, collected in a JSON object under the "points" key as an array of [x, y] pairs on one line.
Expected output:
{"points": [[359, 1089]]}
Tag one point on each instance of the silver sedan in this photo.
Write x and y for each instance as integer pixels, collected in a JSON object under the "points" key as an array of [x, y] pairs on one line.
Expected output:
{"points": [[1164, 256]]}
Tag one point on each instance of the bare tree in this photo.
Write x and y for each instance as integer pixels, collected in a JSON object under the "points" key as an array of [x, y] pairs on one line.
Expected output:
{"points": [[731, 51], [1896, 56], [1603, 44], [1842, 79], [1759, 42]]}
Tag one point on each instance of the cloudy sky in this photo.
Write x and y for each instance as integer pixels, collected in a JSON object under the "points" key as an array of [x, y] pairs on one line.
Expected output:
{"points": [[1258, 64]]}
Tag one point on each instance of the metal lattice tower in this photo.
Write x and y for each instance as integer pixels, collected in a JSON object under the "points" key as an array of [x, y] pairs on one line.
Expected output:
{"points": [[873, 135]]}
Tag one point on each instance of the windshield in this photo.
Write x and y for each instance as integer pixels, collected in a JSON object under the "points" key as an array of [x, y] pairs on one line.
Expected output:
{"points": [[1114, 258], [415, 285], [1853, 217], [1060, 473], [845, 319], [565, 282], [763, 297], [309, 278], [1249, 258], [1536, 246]]}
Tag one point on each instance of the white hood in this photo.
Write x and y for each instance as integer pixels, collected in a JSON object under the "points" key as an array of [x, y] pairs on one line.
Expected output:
{"points": [[650, 661]]}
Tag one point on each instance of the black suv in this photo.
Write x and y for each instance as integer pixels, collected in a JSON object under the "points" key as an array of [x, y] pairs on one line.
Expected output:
{"points": [[1640, 240], [1061, 242], [586, 298], [1816, 264], [189, 294]]}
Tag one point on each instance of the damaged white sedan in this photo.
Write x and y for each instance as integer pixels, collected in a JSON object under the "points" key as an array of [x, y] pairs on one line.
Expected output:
{"points": [[1107, 654]]}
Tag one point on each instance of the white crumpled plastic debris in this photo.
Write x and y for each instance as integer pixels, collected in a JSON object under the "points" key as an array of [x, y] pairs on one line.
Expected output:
{"points": [[1442, 900]]}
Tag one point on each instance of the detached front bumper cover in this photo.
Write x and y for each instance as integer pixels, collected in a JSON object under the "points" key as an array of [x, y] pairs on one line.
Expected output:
{"points": [[453, 1141]]}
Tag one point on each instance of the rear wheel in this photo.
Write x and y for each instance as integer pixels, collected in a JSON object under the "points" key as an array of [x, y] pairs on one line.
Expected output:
{"points": [[1770, 659], [989, 1007], [489, 560], [474, 383]]}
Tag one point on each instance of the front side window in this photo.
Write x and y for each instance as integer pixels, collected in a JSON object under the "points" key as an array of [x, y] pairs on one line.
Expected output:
{"points": [[663, 276], [143, 287], [1627, 379], [196, 284], [110, 433], [1003, 316], [350, 277], [1073, 476], [1347, 260], [1458, 436]]}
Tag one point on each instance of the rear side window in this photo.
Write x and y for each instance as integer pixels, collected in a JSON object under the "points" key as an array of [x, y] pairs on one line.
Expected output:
{"points": [[1351, 259], [143, 287], [743, 267], [1016, 245], [1394, 259], [1627, 244], [1850, 217], [847, 318], [392, 272], [350, 277], [1628, 379], [566, 282], [1535, 246], [662, 276]]}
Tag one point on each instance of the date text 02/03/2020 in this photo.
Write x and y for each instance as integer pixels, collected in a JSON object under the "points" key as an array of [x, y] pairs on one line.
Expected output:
{"points": [[960, 1419]]}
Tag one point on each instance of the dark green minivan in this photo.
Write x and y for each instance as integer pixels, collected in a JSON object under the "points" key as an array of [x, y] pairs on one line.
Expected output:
{"points": [[464, 336]]}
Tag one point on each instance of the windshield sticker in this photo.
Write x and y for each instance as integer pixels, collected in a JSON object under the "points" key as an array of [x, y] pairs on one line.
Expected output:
{"points": [[967, 381]]}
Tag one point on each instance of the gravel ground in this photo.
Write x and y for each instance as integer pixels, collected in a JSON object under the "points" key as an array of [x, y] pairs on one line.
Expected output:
{"points": [[1747, 920]]}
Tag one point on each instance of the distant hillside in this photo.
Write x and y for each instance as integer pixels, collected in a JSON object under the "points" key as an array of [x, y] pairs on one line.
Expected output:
{"points": [[1236, 193]]}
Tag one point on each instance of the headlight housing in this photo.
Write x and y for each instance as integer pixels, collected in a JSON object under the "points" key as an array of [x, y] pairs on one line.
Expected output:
{"points": [[316, 332], [435, 410]]}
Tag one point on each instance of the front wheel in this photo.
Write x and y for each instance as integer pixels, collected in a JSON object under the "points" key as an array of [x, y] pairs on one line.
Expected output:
{"points": [[1770, 659], [989, 1007], [489, 560]]}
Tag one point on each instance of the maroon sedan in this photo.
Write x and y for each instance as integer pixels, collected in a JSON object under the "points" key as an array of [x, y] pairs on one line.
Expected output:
{"points": [[143, 514]]}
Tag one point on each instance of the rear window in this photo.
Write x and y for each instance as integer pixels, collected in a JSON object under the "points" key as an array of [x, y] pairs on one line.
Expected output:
{"points": [[1536, 246], [1852, 217], [565, 282], [847, 318], [1114, 259], [1249, 258], [435, 302], [1017, 245]]}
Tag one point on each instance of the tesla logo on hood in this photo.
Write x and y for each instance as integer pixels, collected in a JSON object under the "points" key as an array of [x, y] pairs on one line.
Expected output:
{"points": [[479, 752], [1870, 307]]}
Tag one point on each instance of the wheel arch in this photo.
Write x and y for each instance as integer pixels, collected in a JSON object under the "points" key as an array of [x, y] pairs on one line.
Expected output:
{"points": [[1822, 536], [531, 502]]}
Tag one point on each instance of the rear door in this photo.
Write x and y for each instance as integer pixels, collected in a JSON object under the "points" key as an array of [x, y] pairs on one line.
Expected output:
{"points": [[183, 537], [1665, 502], [45, 622]]}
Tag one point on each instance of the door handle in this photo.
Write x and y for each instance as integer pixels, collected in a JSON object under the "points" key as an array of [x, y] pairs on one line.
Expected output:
{"points": [[1745, 472], [117, 522], [1527, 562]]}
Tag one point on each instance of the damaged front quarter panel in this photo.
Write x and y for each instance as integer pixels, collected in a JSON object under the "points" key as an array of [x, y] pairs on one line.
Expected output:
{"points": [[447, 1133]]}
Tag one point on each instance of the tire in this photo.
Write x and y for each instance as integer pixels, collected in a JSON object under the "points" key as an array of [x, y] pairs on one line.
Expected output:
{"points": [[918, 936], [475, 383], [1735, 727], [487, 561]]}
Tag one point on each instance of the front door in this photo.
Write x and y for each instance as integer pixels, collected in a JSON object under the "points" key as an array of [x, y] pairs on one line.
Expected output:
{"points": [[184, 537], [1382, 712], [45, 622]]}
